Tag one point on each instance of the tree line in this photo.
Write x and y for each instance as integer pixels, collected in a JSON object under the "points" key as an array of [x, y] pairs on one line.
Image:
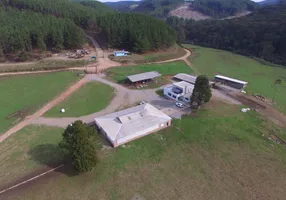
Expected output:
{"points": [[223, 8], [136, 32], [47, 24], [26, 30], [261, 34]]}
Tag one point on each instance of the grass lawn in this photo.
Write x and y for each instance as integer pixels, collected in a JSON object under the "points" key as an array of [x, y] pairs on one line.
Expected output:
{"points": [[119, 74], [27, 150], [260, 77], [22, 95], [218, 153], [46, 64], [92, 97]]}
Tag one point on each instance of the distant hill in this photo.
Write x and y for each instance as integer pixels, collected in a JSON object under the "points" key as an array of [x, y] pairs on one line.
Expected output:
{"points": [[260, 34], [123, 6], [196, 9], [268, 2], [223, 8], [157, 8]]}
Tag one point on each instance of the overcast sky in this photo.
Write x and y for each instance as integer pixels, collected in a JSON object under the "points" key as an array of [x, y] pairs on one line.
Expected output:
{"points": [[139, 0]]}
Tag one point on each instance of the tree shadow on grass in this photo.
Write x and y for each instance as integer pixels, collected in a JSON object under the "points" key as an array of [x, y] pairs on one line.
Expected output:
{"points": [[52, 156]]}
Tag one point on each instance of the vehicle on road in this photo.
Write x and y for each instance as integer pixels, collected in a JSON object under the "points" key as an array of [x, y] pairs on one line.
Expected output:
{"points": [[143, 102], [180, 105]]}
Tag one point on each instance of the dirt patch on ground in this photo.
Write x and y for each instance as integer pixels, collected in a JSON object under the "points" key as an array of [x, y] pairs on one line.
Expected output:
{"points": [[188, 13], [263, 108], [20, 114]]}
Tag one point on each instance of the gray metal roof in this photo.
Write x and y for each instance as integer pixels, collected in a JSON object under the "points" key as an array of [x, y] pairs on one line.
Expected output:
{"points": [[231, 79], [186, 77], [143, 76], [135, 120]]}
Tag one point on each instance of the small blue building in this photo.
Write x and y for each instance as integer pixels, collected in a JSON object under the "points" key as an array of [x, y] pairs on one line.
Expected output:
{"points": [[121, 53]]}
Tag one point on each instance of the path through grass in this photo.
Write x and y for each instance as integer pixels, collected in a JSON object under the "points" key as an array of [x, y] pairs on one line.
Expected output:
{"points": [[92, 97], [260, 77], [22, 95]]}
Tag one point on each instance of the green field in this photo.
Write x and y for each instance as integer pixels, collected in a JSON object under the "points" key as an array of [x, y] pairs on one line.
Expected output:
{"points": [[217, 153], [260, 77], [27, 150], [22, 95], [119, 74], [92, 97], [46, 64]]}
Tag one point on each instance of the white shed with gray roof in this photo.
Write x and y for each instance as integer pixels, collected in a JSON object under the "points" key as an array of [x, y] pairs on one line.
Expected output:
{"points": [[143, 76], [132, 123]]}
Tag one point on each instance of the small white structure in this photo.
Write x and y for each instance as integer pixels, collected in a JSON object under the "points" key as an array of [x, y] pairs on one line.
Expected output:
{"points": [[121, 53], [132, 123], [180, 91], [63, 110]]}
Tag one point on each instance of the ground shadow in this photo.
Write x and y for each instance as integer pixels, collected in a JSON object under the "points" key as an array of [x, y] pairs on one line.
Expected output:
{"points": [[52, 156]]}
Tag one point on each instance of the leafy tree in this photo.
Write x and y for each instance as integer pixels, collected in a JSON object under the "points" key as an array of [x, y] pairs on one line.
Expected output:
{"points": [[81, 142], [202, 91]]}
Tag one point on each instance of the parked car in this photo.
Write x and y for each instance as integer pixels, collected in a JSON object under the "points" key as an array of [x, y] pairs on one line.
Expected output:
{"points": [[180, 105], [143, 102]]}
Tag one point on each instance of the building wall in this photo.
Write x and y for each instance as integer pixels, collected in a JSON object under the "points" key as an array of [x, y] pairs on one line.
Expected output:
{"points": [[142, 134], [177, 97], [168, 93]]}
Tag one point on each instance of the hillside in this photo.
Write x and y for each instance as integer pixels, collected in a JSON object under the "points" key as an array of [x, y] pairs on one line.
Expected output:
{"points": [[198, 9], [158, 8], [268, 2], [123, 6], [261, 34], [223, 8], [69, 20]]}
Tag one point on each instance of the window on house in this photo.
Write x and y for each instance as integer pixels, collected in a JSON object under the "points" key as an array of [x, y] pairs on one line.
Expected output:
{"points": [[170, 94], [174, 96]]}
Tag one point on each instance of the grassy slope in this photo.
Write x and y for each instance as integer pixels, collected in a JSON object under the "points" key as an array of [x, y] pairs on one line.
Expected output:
{"points": [[260, 77], [226, 159], [27, 150], [119, 73], [29, 92], [92, 97]]}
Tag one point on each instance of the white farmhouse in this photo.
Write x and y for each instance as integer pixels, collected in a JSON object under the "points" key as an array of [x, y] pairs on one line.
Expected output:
{"points": [[180, 91], [132, 123]]}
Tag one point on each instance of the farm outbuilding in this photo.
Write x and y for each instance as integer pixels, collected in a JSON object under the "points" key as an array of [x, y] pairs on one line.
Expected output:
{"points": [[132, 123], [185, 77], [121, 53], [143, 77], [231, 82]]}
